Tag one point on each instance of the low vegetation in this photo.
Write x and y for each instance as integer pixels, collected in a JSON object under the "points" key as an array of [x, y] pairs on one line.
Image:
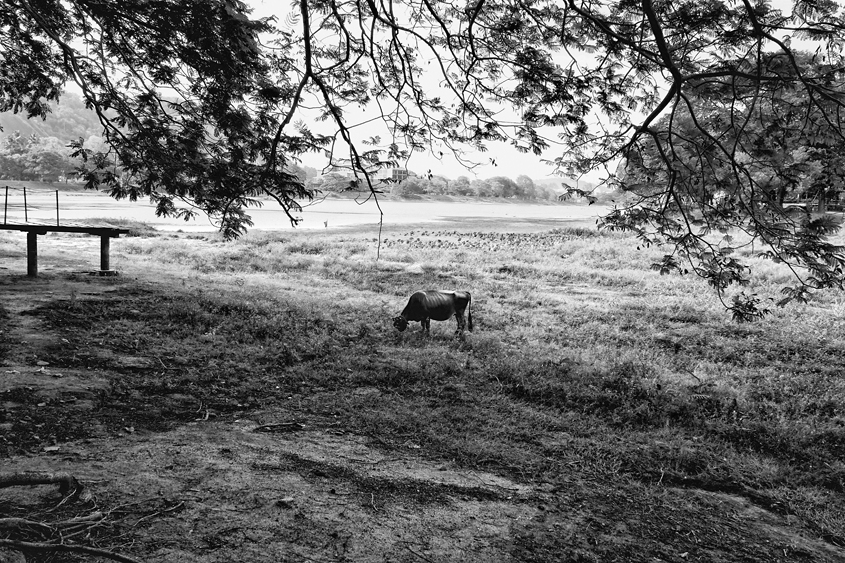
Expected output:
{"points": [[587, 372]]}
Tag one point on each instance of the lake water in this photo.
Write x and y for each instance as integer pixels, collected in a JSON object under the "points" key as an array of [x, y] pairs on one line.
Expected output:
{"points": [[328, 213]]}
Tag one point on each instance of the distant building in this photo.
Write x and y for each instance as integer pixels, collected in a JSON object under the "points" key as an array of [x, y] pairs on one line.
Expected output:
{"points": [[400, 174], [392, 175]]}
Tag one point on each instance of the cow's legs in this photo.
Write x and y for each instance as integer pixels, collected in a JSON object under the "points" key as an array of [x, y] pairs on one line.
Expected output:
{"points": [[426, 325], [459, 316]]}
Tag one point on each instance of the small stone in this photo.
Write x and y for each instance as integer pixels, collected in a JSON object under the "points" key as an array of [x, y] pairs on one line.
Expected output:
{"points": [[286, 502]]}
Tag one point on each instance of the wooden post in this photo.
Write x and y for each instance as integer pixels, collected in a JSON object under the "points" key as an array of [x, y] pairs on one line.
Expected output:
{"points": [[31, 254], [104, 252], [25, 216], [6, 205], [57, 208]]}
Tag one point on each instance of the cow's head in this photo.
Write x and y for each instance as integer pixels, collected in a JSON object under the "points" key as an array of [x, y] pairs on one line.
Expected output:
{"points": [[400, 322]]}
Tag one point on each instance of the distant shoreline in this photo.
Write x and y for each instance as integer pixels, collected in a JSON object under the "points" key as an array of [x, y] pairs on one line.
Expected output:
{"points": [[446, 198], [79, 187]]}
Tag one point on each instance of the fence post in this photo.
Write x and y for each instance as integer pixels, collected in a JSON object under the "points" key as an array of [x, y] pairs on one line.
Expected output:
{"points": [[6, 205], [57, 208], [25, 215]]}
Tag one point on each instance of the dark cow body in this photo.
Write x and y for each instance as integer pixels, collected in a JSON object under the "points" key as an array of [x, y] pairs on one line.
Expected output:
{"points": [[438, 305]]}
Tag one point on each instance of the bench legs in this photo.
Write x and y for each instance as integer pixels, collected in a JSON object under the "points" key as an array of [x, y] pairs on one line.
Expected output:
{"points": [[31, 254], [104, 252]]}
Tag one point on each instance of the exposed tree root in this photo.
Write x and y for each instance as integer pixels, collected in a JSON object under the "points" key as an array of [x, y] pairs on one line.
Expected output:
{"points": [[71, 488], [67, 482], [39, 547]]}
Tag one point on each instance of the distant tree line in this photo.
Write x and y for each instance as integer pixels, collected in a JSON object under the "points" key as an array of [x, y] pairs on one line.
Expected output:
{"points": [[46, 159], [34, 158], [523, 187], [37, 149]]}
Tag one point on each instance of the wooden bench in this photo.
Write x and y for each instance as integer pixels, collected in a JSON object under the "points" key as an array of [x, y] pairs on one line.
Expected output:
{"points": [[35, 228]]}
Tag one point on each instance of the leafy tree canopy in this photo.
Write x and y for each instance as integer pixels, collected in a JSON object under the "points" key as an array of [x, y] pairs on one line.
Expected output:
{"points": [[191, 104], [34, 158], [199, 102]]}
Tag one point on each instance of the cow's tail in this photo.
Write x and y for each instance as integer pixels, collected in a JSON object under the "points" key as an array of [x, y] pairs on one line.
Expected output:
{"points": [[469, 311]]}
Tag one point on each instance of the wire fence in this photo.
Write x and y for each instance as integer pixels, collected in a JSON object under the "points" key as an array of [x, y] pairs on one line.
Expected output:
{"points": [[27, 200]]}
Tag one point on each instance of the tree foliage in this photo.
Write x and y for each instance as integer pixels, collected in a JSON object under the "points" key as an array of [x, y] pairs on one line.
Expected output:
{"points": [[523, 188], [186, 95], [727, 167], [714, 113], [34, 158]]}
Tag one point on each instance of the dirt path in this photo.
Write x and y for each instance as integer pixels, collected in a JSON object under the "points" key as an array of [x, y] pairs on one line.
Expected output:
{"points": [[300, 489]]}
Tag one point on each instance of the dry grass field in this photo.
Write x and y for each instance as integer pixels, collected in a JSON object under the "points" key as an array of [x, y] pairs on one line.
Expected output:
{"points": [[251, 401]]}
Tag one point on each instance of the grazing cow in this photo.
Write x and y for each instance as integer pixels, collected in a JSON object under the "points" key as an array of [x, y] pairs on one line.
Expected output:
{"points": [[438, 305]]}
